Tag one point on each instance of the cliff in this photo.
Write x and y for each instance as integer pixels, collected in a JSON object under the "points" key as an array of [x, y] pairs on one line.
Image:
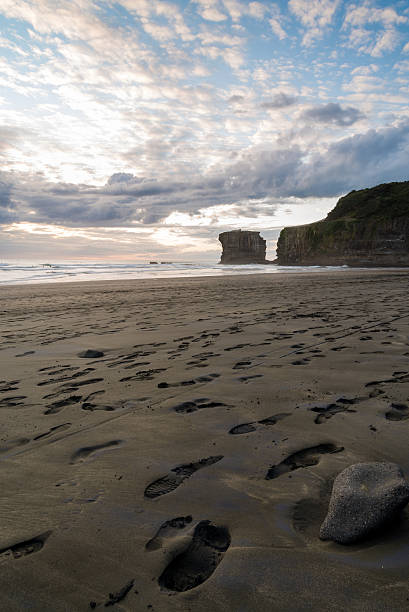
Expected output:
{"points": [[242, 247], [369, 227]]}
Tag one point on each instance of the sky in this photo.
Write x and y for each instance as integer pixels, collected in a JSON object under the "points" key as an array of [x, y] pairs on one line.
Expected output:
{"points": [[141, 129]]}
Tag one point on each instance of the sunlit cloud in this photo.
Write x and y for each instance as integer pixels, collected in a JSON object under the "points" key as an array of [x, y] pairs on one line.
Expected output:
{"points": [[139, 127]]}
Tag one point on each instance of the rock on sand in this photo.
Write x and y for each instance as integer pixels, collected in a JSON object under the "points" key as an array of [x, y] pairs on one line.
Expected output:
{"points": [[364, 497]]}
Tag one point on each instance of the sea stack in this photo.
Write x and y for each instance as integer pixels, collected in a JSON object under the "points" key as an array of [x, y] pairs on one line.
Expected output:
{"points": [[369, 227], [243, 247]]}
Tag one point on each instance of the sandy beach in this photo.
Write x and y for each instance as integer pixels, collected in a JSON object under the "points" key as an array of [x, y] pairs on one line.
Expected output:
{"points": [[204, 440]]}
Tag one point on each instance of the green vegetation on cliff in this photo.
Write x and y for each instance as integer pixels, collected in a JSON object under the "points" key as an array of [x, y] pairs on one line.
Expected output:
{"points": [[383, 201], [366, 227]]}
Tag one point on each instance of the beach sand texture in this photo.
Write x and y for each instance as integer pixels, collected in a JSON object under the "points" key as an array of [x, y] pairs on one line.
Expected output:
{"points": [[189, 468]]}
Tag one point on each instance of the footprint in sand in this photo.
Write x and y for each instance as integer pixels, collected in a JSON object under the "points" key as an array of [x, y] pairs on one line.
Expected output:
{"points": [[300, 361], [251, 377], [52, 381], [52, 431], [186, 383], [8, 385], [93, 407], [198, 562], [241, 365], [397, 377], [302, 458], [171, 481], [249, 427], [87, 452], [14, 443], [12, 401], [56, 407], [327, 411], [398, 412], [196, 404], [27, 547], [143, 375], [72, 387], [166, 530], [117, 596]]}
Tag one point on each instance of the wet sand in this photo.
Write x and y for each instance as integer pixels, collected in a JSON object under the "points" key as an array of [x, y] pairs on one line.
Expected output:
{"points": [[202, 445]]}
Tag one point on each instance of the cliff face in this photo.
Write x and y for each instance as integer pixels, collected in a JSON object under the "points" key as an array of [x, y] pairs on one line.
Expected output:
{"points": [[242, 247], [369, 227]]}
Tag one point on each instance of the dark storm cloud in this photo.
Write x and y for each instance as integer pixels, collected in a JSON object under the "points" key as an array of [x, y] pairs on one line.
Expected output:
{"points": [[280, 100], [362, 160], [333, 113], [355, 162]]}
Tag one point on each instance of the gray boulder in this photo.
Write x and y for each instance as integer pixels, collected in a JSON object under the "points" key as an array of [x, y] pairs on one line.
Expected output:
{"points": [[364, 497]]}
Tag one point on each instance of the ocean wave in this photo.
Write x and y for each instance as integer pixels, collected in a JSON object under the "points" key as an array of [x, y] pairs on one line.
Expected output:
{"points": [[17, 273]]}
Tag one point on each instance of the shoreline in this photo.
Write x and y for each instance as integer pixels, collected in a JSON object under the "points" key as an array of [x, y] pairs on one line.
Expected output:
{"points": [[315, 272]]}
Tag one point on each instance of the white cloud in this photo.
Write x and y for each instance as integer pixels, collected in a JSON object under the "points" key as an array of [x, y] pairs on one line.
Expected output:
{"points": [[386, 41], [237, 9], [373, 30], [277, 28], [361, 14], [402, 66], [257, 10], [210, 10], [315, 16]]}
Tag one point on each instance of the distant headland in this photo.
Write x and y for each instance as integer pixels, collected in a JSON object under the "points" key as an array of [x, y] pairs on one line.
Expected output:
{"points": [[369, 227]]}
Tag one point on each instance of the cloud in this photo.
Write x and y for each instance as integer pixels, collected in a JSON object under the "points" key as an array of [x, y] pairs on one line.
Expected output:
{"points": [[361, 14], [236, 99], [125, 200], [210, 10], [333, 113], [315, 16], [360, 161], [119, 114], [120, 177], [277, 28], [235, 9], [7, 214], [280, 100], [402, 66], [373, 30], [257, 10]]}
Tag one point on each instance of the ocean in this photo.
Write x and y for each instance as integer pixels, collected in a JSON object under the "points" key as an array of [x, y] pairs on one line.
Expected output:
{"points": [[17, 273]]}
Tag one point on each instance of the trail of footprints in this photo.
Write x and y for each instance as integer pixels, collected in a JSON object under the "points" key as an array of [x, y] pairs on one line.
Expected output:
{"points": [[9, 445], [208, 543]]}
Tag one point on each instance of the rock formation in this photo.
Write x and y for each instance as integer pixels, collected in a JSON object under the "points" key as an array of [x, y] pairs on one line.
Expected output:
{"points": [[243, 247], [365, 496], [369, 227]]}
